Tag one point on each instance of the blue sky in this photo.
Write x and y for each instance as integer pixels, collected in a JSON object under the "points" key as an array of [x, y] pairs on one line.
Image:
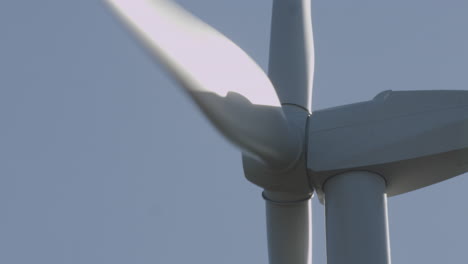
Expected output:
{"points": [[104, 159]]}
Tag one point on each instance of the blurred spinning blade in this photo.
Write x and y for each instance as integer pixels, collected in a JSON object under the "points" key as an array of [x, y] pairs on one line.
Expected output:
{"points": [[228, 86]]}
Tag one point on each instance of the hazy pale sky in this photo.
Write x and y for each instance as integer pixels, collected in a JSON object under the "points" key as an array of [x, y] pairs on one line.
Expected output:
{"points": [[103, 159]]}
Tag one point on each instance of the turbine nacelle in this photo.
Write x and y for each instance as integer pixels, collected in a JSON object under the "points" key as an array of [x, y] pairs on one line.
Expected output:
{"points": [[411, 138]]}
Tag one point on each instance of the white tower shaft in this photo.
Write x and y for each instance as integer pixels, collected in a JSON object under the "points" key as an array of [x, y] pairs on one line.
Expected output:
{"points": [[356, 219]]}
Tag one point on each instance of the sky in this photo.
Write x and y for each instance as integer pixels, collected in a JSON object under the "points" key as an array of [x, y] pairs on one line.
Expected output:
{"points": [[103, 159]]}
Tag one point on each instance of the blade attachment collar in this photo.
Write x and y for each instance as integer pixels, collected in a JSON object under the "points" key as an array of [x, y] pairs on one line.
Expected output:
{"points": [[291, 183]]}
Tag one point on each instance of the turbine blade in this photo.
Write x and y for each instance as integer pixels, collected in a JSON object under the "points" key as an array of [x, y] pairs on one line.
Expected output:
{"points": [[289, 231], [228, 86], [291, 66]]}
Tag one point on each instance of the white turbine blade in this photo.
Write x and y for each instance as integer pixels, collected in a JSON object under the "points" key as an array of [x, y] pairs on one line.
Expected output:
{"points": [[289, 231], [291, 66], [229, 87]]}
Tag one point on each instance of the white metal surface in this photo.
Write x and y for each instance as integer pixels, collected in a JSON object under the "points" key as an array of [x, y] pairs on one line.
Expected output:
{"points": [[292, 180], [412, 138], [356, 219]]}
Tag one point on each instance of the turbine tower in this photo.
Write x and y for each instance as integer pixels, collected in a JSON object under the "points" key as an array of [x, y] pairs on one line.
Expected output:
{"points": [[352, 156]]}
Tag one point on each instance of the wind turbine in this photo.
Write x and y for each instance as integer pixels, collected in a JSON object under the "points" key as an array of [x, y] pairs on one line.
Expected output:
{"points": [[401, 141]]}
